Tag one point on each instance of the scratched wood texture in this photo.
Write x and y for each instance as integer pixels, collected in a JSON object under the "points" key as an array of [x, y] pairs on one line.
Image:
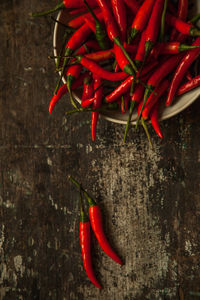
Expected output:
{"points": [[149, 198]]}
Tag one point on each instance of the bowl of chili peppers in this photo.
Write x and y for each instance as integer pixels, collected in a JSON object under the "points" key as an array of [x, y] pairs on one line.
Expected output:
{"points": [[128, 61]]}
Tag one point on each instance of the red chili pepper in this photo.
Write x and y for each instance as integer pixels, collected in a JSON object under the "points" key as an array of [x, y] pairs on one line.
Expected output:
{"points": [[78, 38], [119, 11], [97, 226], [85, 241], [140, 55], [154, 97], [152, 27], [100, 55], [154, 120], [122, 60], [182, 14], [112, 30], [77, 11], [63, 90], [173, 47], [87, 89], [91, 24], [99, 71], [183, 66], [79, 21], [141, 17], [189, 85], [181, 26], [125, 99], [120, 90], [132, 5], [96, 104], [158, 75]]}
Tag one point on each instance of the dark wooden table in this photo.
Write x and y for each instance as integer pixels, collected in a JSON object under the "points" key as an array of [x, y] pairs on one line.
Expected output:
{"points": [[149, 198]]}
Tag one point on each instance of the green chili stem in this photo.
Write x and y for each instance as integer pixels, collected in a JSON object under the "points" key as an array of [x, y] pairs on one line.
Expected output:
{"points": [[147, 132], [129, 119], [50, 11], [77, 184], [162, 30]]}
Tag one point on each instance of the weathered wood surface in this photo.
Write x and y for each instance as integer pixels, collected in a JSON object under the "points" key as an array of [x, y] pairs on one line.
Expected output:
{"points": [[149, 198]]}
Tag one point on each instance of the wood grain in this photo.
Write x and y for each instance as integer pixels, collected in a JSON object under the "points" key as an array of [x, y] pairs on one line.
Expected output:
{"points": [[149, 198]]}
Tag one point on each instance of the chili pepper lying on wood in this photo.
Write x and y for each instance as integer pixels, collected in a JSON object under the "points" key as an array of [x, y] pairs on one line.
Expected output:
{"points": [[85, 241], [97, 225]]}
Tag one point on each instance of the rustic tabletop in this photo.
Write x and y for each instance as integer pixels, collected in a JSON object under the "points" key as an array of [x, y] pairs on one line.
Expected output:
{"points": [[149, 198]]}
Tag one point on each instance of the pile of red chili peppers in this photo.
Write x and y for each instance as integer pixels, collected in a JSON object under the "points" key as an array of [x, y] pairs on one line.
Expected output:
{"points": [[146, 47]]}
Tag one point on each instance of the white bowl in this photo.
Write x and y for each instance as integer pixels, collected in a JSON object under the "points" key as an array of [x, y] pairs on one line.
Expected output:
{"points": [[179, 104]]}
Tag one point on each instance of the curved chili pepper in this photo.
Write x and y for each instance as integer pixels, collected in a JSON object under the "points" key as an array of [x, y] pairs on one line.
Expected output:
{"points": [[99, 71], [79, 21], [100, 55], [87, 89], [112, 30], [139, 57], [85, 241], [181, 14], [63, 90], [124, 102], [73, 73], [122, 60], [181, 26], [120, 90], [74, 42], [64, 4], [141, 18], [189, 85], [96, 104], [152, 27], [183, 66], [154, 120], [158, 75], [97, 226], [119, 11], [100, 32], [154, 97], [174, 47]]}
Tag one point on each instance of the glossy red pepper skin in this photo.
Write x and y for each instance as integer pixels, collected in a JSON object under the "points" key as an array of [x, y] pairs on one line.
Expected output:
{"points": [[87, 89], [122, 60], [154, 98], [63, 90], [119, 11], [100, 55], [153, 27], [78, 3], [140, 55], [189, 85], [79, 21], [181, 26], [85, 242], [98, 95], [97, 227], [183, 66], [141, 17], [120, 90], [181, 14], [99, 71], [154, 120]]}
